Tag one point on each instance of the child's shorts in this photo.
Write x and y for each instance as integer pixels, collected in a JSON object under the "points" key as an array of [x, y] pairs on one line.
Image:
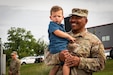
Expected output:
{"points": [[52, 59]]}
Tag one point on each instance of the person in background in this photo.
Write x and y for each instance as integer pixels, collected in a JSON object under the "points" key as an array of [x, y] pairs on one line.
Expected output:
{"points": [[15, 64], [92, 57], [59, 40]]}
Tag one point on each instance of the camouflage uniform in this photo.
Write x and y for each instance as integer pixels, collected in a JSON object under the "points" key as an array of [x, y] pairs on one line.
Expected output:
{"points": [[15, 67], [91, 53]]}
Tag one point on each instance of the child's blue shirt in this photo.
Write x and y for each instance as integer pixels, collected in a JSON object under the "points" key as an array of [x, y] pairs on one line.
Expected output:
{"points": [[57, 44]]}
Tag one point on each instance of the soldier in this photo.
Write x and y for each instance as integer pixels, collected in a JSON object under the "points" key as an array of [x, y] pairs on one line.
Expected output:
{"points": [[91, 57], [15, 64]]}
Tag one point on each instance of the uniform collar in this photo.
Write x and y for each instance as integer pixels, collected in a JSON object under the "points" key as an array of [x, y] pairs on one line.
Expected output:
{"points": [[81, 34]]}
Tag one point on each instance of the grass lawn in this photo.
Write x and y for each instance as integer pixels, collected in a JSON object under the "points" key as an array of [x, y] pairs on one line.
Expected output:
{"points": [[108, 68], [33, 69], [41, 69]]}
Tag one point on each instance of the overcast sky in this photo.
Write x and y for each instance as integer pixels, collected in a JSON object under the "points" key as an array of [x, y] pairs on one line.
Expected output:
{"points": [[34, 15]]}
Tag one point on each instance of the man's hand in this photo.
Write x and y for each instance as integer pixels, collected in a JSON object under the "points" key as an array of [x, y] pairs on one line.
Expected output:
{"points": [[69, 59], [63, 55], [72, 61]]}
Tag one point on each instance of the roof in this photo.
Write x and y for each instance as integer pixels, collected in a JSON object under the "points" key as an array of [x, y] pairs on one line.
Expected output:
{"points": [[100, 25]]}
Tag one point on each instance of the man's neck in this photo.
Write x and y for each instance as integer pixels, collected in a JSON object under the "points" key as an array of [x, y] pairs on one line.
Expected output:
{"points": [[78, 31]]}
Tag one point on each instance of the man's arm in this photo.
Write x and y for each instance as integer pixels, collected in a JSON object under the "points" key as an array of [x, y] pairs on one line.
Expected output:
{"points": [[17, 67], [94, 63], [97, 60]]}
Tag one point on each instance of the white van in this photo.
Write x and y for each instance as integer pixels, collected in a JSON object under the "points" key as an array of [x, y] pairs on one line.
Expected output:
{"points": [[28, 60], [31, 59]]}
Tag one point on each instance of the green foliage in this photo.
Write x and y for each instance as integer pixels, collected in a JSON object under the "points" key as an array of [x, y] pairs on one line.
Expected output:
{"points": [[40, 46], [23, 42]]}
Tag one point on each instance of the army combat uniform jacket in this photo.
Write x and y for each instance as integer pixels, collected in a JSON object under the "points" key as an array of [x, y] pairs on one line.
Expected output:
{"points": [[15, 67], [91, 53]]}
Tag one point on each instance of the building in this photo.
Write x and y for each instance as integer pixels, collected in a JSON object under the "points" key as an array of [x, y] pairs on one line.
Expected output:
{"points": [[104, 33]]}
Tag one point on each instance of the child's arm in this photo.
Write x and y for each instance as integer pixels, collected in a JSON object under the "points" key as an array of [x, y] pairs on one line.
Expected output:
{"points": [[64, 35]]}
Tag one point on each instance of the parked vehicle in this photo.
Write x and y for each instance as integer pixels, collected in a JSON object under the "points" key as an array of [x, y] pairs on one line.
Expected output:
{"points": [[32, 59], [111, 53], [28, 60], [107, 53], [39, 59]]}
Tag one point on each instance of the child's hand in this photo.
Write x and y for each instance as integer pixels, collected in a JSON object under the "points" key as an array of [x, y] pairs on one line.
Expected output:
{"points": [[72, 46], [72, 39]]}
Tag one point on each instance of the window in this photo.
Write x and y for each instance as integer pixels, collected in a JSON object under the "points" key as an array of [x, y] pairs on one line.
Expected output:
{"points": [[105, 38]]}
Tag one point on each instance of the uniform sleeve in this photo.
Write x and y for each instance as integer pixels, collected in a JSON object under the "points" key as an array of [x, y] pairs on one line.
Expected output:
{"points": [[97, 60]]}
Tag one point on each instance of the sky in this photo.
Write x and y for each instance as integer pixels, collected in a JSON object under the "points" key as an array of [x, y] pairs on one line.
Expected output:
{"points": [[33, 15]]}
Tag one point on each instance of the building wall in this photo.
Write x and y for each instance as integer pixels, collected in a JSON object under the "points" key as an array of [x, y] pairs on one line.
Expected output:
{"points": [[104, 33]]}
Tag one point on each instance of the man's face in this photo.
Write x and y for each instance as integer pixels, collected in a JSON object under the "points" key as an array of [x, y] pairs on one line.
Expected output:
{"points": [[78, 23], [13, 56]]}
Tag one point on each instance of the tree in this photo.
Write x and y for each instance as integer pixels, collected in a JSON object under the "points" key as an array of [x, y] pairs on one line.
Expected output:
{"points": [[40, 46], [23, 42]]}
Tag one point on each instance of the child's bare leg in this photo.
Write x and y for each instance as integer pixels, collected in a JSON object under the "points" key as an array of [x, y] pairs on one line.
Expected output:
{"points": [[66, 70], [54, 70]]}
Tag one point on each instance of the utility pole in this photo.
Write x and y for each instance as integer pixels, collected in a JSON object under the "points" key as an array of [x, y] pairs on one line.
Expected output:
{"points": [[1, 51]]}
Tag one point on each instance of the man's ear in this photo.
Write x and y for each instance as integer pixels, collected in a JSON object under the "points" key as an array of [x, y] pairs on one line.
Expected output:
{"points": [[86, 20]]}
